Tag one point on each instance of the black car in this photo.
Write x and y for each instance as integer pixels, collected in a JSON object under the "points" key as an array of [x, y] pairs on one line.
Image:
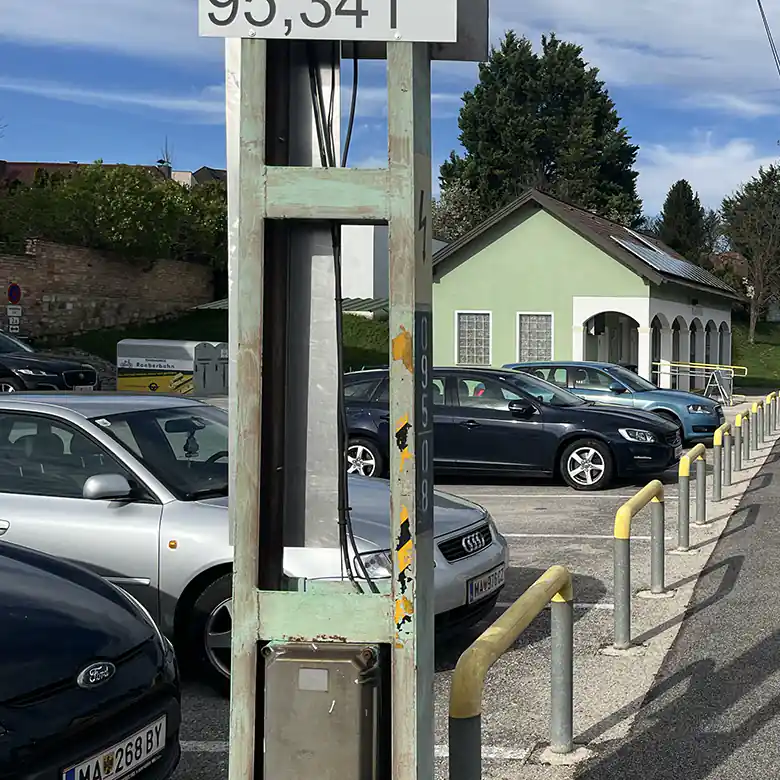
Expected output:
{"points": [[502, 421], [89, 689], [22, 368]]}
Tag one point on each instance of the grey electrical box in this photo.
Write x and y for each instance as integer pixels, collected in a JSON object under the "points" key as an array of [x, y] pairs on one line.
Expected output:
{"points": [[323, 711]]}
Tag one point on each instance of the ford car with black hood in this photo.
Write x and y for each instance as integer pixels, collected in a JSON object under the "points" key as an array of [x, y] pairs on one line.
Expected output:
{"points": [[89, 688]]}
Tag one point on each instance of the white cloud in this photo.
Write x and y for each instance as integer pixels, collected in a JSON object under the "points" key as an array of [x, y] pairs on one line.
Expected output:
{"points": [[160, 29], [207, 106], [713, 170], [713, 49]]}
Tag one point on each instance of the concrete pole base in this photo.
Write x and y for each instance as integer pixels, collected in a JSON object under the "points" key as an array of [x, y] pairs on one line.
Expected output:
{"points": [[683, 552], [650, 596], [614, 652], [577, 756], [702, 525]]}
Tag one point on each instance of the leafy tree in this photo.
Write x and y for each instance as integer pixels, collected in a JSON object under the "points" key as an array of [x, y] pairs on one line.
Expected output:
{"points": [[751, 222], [456, 211], [544, 121], [681, 225]]}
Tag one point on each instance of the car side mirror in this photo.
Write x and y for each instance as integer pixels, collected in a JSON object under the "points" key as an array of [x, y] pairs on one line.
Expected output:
{"points": [[521, 408], [617, 388], [107, 487]]}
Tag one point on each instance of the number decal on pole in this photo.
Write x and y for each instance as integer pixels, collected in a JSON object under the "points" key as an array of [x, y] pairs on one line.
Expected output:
{"points": [[359, 13], [222, 4], [327, 13], [270, 16]]}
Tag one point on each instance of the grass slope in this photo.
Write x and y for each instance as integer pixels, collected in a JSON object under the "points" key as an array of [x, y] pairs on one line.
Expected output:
{"points": [[762, 359]]}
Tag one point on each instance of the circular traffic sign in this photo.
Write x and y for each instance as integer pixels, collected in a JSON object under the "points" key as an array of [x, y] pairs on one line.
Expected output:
{"points": [[14, 293]]}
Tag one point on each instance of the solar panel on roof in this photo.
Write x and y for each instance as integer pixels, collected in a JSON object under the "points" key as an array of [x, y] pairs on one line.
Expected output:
{"points": [[666, 264]]}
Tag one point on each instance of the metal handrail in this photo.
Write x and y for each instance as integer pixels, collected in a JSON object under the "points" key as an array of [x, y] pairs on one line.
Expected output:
{"points": [[713, 366], [652, 493], [468, 679]]}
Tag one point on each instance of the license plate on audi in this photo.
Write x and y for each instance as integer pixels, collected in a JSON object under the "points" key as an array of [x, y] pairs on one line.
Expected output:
{"points": [[83, 388], [124, 758], [488, 583]]}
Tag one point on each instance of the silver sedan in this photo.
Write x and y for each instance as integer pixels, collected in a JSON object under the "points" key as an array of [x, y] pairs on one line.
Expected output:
{"points": [[135, 487]]}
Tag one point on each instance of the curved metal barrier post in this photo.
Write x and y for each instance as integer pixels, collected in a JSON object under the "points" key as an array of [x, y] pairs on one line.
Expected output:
{"points": [[695, 454], [769, 406], [652, 493], [468, 679], [747, 424], [720, 440], [738, 428]]}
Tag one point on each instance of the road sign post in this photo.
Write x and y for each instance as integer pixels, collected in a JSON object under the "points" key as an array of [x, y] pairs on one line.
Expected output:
{"points": [[287, 198]]}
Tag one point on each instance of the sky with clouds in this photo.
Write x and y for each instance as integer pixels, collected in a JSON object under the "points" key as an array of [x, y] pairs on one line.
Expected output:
{"points": [[694, 82]]}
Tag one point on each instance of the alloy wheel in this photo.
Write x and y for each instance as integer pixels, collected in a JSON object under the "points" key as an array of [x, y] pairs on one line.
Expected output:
{"points": [[217, 636], [360, 460], [586, 466]]}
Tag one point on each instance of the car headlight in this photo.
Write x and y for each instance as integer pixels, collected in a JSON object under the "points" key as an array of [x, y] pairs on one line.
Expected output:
{"points": [[34, 372], [637, 434], [701, 409], [143, 612], [378, 564]]}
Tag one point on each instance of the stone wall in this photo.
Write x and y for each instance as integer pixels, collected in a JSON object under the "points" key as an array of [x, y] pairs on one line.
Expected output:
{"points": [[69, 289]]}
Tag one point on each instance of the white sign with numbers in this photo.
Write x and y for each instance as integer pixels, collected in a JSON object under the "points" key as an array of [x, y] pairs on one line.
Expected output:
{"points": [[433, 21]]}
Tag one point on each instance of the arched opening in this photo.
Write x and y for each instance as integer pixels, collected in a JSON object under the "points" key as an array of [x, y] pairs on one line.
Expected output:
{"points": [[679, 327], [711, 344], [660, 348], [611, 337], [724, 344], [696, 353]]}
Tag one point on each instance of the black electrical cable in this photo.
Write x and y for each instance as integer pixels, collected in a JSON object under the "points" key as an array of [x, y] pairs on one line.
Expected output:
{"points": [[770, 37], [352, 110], [327, 148]]}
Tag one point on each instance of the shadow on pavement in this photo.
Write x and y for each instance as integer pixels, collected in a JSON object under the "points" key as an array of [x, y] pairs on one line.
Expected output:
{"points": [[586, 589], [677, 737]]}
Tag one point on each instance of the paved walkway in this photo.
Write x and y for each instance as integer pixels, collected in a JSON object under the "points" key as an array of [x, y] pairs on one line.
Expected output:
{"points": [[714, 712]]}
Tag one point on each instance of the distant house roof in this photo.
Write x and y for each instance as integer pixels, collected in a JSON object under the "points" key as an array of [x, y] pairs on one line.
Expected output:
{"points": [[24, 172], [370, 305], [646, 256], [205, 174]]}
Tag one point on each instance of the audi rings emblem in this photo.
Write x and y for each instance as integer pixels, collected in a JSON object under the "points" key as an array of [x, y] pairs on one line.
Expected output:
{"points": [[473, 542]]}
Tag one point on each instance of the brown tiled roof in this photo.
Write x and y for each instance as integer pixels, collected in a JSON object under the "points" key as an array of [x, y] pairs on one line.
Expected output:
{"points": [[603, 232]]}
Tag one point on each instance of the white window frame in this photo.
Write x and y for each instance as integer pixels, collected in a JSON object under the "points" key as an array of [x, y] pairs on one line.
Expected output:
{"points": [[456, 332], [549, 314]]}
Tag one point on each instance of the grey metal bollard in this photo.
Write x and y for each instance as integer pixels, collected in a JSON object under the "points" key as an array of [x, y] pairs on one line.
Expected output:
{"points": [[738, 444], [701, 491], [657, 547], [717, 473], [562, 701], [466, 748], [746, 426], [761, 422], [728, 442], [684, 510], [754, 425], [622, 576]]}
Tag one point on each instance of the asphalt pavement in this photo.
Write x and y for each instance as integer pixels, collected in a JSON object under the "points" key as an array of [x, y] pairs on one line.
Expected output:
{"points": [[545, 523], [714, 712]]}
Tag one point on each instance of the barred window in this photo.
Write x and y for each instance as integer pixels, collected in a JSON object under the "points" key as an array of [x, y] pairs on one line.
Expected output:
{"points": [[534, 337], [473, 335]]}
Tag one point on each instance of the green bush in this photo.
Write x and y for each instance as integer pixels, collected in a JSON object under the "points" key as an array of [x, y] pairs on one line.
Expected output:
{"points": [[366, 342]]}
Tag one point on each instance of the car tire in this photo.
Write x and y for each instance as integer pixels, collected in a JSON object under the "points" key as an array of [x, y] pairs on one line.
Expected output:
{"points": [[208, 633], [364, 458], [11, 385], [600, 465]]}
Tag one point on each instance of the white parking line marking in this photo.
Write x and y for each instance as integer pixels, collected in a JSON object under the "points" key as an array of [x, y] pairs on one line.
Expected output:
{"points": [[555, 496], [440, 751], [605, 605], [575, 536]]}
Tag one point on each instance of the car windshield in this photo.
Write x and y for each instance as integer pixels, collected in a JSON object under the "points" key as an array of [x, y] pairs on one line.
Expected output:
{"points": [[631, 380], [185, 447], [10, 344], [547, 393]]}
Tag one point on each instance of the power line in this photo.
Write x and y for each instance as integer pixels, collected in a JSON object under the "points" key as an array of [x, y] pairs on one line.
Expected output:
{"points": [[769, 36]]}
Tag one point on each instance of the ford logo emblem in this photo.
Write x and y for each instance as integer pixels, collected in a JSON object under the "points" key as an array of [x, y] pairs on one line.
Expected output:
{"points": [[95, 674]]}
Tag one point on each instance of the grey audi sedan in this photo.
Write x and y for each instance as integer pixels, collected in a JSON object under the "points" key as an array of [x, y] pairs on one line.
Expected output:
{"points": [[135, 487]]}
